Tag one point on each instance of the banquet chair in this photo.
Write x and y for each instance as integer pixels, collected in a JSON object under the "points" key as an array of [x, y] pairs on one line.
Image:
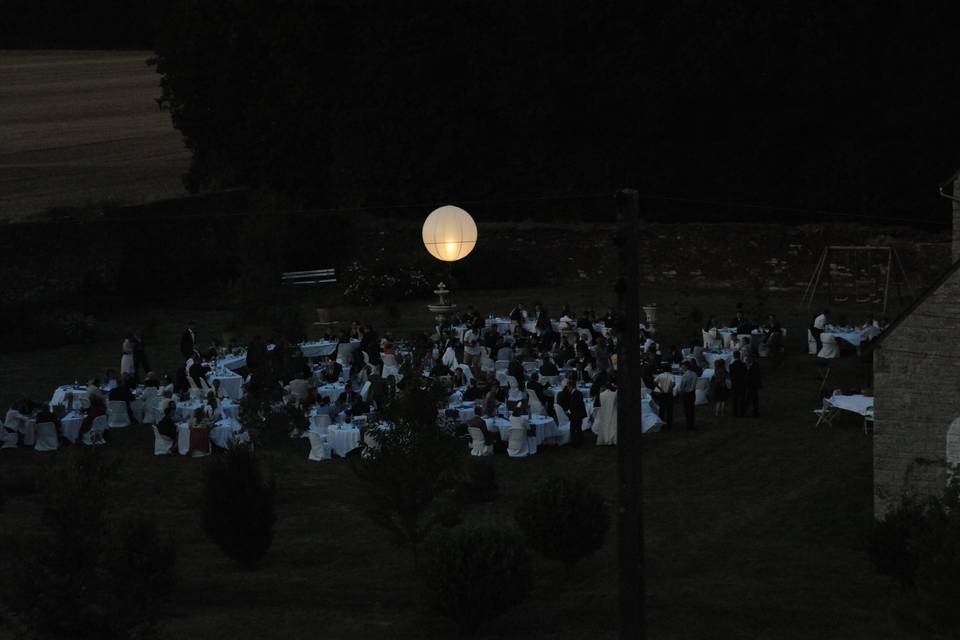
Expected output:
{"points": [[46, 437], [501, 365], [701, 390], [95, 435], [319, 448], [151, 411], [536, 407], [487, 365], [478, 446], [518, 443], [390, 365], [365, 390], [28, 429], [830, 348], [467, 372], [321, 422], [117, 416], [162, 445], [8, 438], [811, 343]]}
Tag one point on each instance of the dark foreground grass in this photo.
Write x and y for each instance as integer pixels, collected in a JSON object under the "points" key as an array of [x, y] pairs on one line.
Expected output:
{"points": [[753, 530]]}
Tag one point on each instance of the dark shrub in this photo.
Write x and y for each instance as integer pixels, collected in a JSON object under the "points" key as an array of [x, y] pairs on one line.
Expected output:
{"points": [[476, 574], [411, 463], [109, 579], [238, 509], [563, 519], [892, 542]]}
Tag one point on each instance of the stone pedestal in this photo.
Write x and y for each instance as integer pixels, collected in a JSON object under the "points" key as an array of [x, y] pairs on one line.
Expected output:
{"points": [[650, 311], [442, 309]]}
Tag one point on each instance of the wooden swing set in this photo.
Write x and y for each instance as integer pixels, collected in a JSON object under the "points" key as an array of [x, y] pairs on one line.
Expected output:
{"points": [[862, 274]]}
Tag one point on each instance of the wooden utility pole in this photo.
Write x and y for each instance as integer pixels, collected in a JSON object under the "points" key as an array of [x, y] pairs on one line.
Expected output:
{"points": [[629, 420]]}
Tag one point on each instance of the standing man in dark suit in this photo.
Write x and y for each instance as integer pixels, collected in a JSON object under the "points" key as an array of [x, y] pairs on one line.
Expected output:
{"points": [[188, 341], [577, 411], [738, 381], [139, 356], [753, 386]]}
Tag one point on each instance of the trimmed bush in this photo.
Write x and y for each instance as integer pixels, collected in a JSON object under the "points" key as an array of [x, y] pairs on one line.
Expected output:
{"points": [[565, 520], [238, 509], [476, 574]]}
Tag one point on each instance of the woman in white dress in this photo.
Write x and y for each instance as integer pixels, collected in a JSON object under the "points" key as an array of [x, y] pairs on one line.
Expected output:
{"points": [[126, 360], [606, 422]]}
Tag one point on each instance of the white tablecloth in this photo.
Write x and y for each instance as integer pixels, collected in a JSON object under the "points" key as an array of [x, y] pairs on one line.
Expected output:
{"points": [[318, 349], [651, 417], [343, 438], [711, 357], [332, 390], [851, 336], [231, 362], [504, 325], [60, 394], [498, 424], [231, 383], [859, 404], [230, 409]]}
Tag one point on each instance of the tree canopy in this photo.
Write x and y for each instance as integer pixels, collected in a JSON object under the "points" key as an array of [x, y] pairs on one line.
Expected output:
{"points": [[794, 103]]}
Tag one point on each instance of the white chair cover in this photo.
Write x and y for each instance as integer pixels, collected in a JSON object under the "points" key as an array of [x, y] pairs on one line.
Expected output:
{"points": [[117, 416], [319, 450], [467, 373], [46, 437], [701, 390], [95, 435], [550, 380], [811, 343], [162, 445], [478, 446], [28, 429], [501, 365], [562, 418], [321, 422], [517, 441], [536, 407], [830, 348], [365, 390], [9, 439]]}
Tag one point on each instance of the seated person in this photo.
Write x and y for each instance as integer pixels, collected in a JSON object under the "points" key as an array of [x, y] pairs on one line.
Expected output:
{"points": [[515, 369], [167, 400], [167, 426], [97, 408], [477, 421], [150, 380], [332, 371], [93, 389], [459, 379], [211, 408], [472, 392], [548, 368], [122, 393], [218, 390], [537, 387], [491, 402]]}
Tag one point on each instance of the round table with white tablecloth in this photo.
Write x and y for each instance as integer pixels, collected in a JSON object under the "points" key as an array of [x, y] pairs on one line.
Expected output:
{"points": [[332, 390], [185, 410], [545, 427], [504, 325], [343, 438], [230, 409], [712, 356], [231, 383], [231, 362], [318, 349], [79, 396], [498, 424]]}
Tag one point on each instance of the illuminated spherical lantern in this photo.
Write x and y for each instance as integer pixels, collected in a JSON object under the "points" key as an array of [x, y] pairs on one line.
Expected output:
{"points": [[449, 233]]}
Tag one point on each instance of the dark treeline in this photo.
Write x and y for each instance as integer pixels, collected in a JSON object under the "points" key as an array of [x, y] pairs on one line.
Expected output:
{"points": [[811, 104], [77, 24]]}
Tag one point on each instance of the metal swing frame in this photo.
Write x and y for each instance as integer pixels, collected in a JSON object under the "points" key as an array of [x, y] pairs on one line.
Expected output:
{"points": [[823, 265]]}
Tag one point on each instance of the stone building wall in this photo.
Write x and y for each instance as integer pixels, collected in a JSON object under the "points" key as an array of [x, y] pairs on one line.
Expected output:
{"points": [[917, 397]]}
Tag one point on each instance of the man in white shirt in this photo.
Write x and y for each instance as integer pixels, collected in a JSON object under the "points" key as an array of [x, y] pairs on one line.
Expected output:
{"points": [[662, 393], [819, 326]]}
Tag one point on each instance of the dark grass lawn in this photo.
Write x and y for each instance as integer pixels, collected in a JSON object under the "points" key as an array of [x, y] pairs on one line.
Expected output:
{"points": [[753, 526]]}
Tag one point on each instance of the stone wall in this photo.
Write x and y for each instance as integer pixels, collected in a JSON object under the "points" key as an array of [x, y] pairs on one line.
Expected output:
{"points": [[917, 397]]}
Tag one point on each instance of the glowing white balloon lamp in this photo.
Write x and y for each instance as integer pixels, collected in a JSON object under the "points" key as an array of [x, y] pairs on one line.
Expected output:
{"points": [[449, 234]]}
